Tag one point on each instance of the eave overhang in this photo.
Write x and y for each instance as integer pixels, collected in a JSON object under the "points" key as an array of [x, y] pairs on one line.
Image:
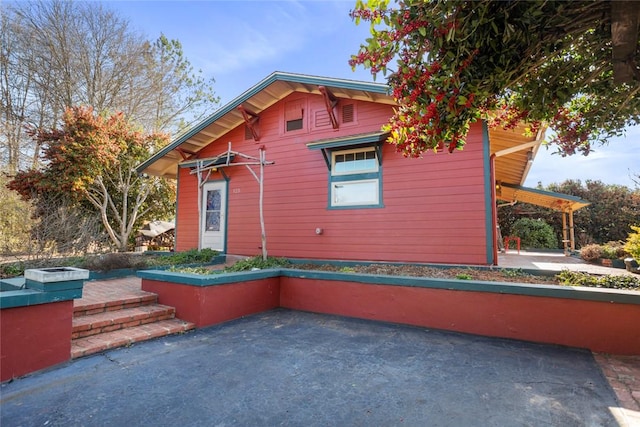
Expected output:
{"points": [[514, 151], [256, 99]]}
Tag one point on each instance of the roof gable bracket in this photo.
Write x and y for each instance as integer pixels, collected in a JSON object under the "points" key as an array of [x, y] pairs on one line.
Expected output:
{"points": [[251, 120], [327, 157], [330, 102], [184, 153], [379, 153]]}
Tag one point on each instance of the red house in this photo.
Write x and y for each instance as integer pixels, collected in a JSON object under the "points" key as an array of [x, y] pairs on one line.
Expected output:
{"points": [[332, 187]]}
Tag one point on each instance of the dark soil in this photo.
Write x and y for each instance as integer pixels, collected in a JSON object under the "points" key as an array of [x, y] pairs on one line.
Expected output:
{"points": [[490, 275]]}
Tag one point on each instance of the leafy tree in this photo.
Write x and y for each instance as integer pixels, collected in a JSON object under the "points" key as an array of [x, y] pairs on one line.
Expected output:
{"points": [[508, 61], [91, 161], [14, 230], [57, 54], [176, 94], [613, 208]]}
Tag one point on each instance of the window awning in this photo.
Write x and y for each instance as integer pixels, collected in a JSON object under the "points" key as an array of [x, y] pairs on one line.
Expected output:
{"points": [[352, 141], [548, 199], [348, 141]]}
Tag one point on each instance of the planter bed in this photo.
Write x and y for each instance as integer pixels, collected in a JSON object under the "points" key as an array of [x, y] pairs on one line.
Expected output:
{"points": [[602, 320]]}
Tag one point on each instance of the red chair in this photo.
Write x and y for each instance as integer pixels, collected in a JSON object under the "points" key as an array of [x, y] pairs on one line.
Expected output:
{"points": [[509, 239]]}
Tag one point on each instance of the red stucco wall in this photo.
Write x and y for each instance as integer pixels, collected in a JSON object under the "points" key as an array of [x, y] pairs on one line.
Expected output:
{"points": [[34, 337], [434, 208]]}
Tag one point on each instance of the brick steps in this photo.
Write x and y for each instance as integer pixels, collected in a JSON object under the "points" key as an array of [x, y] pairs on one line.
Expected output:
{"points": [[118, 303], [111, 315], [109, 321], [127, 336]]}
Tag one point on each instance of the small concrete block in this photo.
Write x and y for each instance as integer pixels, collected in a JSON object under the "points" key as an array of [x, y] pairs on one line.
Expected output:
{"points": [[56, 274]]}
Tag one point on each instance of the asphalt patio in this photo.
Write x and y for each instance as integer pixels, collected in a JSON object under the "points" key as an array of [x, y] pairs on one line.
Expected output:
{"points": [[294, 368]]}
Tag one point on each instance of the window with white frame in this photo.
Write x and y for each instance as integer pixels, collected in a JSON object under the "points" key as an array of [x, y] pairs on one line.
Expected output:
{"points": [[355, 178]]}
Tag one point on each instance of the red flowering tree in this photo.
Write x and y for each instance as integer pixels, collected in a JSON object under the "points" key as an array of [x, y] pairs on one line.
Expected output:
{"points": [[451, 63], [90, 161]]}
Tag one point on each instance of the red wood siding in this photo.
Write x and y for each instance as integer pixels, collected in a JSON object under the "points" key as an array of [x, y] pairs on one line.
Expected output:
{"points": [[434, 207], [187, 207]]}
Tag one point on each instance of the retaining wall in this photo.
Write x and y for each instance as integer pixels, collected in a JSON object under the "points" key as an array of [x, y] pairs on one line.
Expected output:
{"points": [[602, 320]]}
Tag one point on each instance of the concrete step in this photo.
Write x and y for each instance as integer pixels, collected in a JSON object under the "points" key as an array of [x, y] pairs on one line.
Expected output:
{"points": [[127, 336], [108, 321]]}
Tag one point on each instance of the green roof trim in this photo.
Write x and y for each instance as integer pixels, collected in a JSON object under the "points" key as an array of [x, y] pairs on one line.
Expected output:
{"points": [[373, 87], [344, 141]]}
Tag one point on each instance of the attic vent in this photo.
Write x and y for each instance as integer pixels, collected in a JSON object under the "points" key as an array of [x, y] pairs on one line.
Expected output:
{"points": [[347, 113], [321, 119], [247, 133]]}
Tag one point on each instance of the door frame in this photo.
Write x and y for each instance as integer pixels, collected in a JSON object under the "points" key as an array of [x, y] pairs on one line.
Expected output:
{"points": [[222, 185]]}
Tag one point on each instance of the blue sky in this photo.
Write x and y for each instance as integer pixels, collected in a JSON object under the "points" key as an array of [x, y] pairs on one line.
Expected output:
{"points": [[240, 42]]}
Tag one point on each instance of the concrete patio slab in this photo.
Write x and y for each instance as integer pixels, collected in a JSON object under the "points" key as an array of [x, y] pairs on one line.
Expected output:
{"points": [[553, 261], [300, 369]]}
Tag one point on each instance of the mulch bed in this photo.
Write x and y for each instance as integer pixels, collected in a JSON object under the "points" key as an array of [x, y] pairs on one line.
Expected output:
{"points": [[490, 275]]}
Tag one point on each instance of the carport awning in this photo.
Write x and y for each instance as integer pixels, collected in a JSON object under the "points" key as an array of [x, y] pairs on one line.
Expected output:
{"points": [[534, 196]]}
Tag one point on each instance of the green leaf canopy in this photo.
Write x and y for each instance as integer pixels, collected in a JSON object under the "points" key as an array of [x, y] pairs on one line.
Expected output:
{"points": [[548, 63]]}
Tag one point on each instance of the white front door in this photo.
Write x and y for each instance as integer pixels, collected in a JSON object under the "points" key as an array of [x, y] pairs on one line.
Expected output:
{"points": [[214, 212]]}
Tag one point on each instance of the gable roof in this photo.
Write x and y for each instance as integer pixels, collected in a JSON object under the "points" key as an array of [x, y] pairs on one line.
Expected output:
{"points": [[514, 150], [258, 98]]}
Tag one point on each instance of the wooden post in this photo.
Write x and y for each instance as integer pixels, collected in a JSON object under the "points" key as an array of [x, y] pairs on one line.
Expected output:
{"points": [[564, 232], [572, 235], [199, 176], [263, 234]]}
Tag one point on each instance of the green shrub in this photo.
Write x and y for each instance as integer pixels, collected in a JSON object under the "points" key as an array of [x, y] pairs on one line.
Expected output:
{"points": [[534, 233], [193, 256], [610, 250], [632, 246], [614, 250], [574, 278], [257, 263], [112, 261], [192, 270], [11, 270]]}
